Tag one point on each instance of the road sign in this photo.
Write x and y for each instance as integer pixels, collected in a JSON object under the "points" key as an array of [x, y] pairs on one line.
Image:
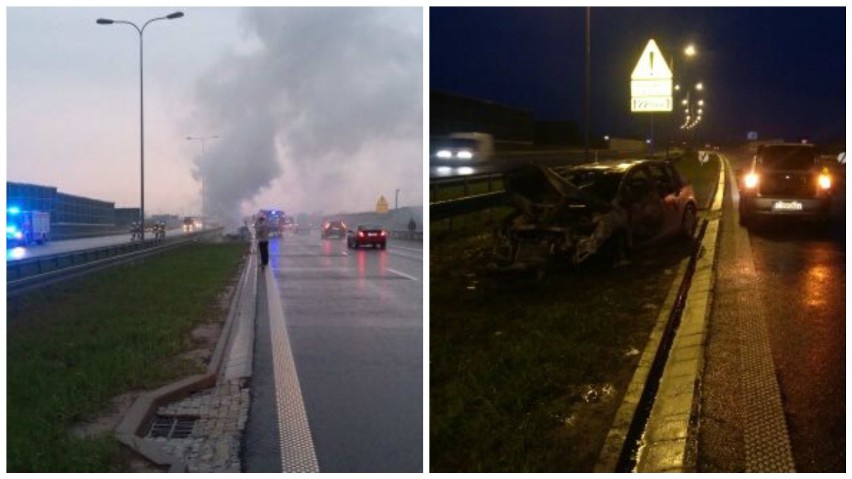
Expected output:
{"points": [[651, 82], [842, 157], [651, 65], [382, 205], [651, 103], [645, 88]]}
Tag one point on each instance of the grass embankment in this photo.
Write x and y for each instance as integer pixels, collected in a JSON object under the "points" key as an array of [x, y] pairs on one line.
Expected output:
{"points": [[74, 346], [527, 375]]}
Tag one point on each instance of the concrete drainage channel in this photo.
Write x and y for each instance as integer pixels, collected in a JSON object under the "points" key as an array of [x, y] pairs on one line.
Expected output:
{"points": [[195, 424], [652, 428]]}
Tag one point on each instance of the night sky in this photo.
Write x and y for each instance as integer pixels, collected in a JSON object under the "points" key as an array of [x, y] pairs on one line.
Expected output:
{"points": [[777, 71]]}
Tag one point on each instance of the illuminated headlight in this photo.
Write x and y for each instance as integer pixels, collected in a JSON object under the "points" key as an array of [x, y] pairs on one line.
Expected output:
{"points": [[825, 181], [751, 180], [444, 154], [464, 155]]}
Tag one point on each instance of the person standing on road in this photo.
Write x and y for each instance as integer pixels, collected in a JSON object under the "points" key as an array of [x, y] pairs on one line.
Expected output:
{"points": [[261, 231]]}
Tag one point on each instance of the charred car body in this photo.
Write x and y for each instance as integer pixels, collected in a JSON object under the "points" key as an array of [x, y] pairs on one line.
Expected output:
{"points": [[574, 212]]}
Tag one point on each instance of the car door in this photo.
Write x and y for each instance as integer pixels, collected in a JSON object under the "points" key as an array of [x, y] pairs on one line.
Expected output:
{"points": [[643, 204], [668, 188]]}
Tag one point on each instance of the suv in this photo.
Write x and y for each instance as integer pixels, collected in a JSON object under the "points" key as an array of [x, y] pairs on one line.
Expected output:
{"points": [[334, 228], [785, 180]]}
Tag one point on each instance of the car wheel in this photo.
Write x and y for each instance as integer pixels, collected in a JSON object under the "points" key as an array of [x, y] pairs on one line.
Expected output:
{"points": [[689, 222]]}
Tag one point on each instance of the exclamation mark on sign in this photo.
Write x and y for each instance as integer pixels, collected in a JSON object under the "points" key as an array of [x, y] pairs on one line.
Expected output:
{"points": [[652, 62]]}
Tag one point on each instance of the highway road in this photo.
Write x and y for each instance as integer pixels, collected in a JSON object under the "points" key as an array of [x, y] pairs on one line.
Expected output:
{"points": [[65, 246], [786, 278], [338, 359]]}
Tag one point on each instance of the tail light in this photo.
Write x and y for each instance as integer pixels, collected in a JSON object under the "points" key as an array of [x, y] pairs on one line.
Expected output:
{"points": [[383, 233], [751, 181], [360, 234], [824, 181]]}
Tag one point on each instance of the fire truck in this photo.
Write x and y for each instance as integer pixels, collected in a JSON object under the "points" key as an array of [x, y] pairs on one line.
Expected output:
{"points": [[24, 228]]}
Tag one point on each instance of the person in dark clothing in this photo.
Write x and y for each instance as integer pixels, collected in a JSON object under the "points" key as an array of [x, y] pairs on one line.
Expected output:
{"points": [[261, 230]]}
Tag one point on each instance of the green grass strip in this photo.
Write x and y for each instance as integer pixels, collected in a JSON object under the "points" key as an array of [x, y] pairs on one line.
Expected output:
{"points": [[74, 346]]}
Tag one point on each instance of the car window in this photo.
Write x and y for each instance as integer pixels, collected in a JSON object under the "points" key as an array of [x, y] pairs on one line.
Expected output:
{"points": [[787, 157], [662, 179]]}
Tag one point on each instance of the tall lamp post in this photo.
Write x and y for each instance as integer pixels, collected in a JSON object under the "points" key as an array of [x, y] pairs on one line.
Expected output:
{"points": [[203, 139], [396, 200], [107, 21]]}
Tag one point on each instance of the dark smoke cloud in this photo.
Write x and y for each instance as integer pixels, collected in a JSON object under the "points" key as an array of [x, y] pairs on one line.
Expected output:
{"points": [[324, 113]]}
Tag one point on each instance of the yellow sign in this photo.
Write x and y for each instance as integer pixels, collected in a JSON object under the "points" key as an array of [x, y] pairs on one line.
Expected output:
{"points": [[651, 65], [382, 205], [651, 82]]}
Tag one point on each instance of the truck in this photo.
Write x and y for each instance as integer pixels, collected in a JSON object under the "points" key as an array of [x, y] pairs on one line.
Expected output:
{"points": [[24, 228]]}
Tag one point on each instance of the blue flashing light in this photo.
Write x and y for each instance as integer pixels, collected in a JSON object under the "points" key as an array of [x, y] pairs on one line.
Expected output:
{"points": [[13, 210]]}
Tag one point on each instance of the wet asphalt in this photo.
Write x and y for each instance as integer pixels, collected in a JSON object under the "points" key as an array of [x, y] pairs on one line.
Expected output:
{"points": [[799, 281], [355, 323]]}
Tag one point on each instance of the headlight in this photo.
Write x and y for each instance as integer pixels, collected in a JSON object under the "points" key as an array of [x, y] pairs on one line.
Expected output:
{"points": [[825, 181], [751, 180], [464, 155], [444, 154]]}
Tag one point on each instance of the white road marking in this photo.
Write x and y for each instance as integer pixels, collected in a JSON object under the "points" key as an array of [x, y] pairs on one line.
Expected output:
{"points": [[297, 445], [398, 273]]}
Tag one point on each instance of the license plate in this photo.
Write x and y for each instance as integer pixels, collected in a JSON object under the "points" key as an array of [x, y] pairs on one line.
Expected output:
{"points": [[787, 206], [371, 234]]}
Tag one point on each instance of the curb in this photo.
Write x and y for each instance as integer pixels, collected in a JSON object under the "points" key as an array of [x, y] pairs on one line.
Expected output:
{"points": [[650, 432], [130, 430]]}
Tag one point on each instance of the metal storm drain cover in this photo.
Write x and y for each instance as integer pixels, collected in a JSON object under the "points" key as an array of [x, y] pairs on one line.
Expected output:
{"points": [[172, 427]]}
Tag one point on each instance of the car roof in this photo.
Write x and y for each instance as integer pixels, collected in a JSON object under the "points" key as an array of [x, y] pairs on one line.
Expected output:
{"points": [[614, 166]]}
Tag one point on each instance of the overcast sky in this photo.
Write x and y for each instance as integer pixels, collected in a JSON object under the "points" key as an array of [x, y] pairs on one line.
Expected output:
{"points": [[316, 109]]}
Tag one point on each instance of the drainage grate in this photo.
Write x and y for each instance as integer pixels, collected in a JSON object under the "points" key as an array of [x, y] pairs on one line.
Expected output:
{"points": [[172, 427]]}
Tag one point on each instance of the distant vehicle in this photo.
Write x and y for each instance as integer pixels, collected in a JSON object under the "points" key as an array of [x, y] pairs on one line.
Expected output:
{"points": [[24, 228], [275, 220], [188, 224], [573, 212], [335, 229], [367, 235], [786, 180], [288, 224], [463, 147]]}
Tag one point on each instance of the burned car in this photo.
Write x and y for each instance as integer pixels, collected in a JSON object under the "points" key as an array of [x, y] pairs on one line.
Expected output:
{"points": [[574, 212]]}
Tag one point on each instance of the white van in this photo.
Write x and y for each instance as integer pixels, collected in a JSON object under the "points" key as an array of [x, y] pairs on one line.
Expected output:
{"points": [[463, 147]]}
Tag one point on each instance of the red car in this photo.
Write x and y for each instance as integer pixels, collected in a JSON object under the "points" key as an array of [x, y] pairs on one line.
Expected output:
{"points": [[364, 235]]}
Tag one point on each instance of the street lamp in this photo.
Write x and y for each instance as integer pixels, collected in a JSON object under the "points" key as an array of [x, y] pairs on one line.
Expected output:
{"points": [[689, 50], [107, 21], [203, 139]]}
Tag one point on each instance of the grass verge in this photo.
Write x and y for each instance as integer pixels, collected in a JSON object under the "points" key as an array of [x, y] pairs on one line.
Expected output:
{"points": [[526, 375], [74, 346]]}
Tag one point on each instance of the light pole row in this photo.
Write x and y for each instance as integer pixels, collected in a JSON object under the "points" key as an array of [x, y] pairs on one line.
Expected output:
{"points": [[107, 21]]}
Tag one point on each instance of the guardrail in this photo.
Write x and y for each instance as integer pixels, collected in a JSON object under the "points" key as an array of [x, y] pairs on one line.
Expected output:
{"points": [[30, 273], [407, 234]]}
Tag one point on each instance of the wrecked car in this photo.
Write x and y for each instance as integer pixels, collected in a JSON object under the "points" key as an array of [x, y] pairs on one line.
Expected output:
{"points": [[574, 212]]}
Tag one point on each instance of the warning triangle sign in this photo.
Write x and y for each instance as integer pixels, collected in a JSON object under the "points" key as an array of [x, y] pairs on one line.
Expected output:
{"points": [[652, 65]]}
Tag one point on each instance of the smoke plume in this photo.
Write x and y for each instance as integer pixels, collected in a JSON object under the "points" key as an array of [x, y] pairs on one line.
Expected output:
{"points": [[324, 113]]}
